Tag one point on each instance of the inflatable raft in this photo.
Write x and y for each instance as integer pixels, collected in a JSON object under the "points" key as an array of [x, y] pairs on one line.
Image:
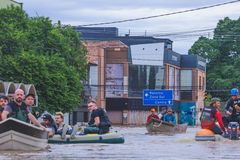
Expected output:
{"points": [[88, 138]]}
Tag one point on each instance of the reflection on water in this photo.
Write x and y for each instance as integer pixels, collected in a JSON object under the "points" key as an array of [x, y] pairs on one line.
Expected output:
{"points": [[139, 145]]}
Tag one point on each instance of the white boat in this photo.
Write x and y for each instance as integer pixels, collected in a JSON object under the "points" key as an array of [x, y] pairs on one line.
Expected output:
{"points": [[20, 136]]}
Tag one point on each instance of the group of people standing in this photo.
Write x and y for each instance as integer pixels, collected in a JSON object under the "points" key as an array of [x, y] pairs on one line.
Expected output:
{"points": [[21, 108]]}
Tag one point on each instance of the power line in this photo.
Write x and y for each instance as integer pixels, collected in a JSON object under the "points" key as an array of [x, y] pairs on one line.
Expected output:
{"points": [[183, 32], [161, 15]]}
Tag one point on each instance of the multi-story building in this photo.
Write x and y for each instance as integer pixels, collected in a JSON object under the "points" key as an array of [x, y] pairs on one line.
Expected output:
{"points": [[8, 3], [121, 67]]}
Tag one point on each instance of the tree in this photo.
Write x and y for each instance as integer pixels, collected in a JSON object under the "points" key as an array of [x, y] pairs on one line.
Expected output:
{"points": [[223, 56], [49, 56]]}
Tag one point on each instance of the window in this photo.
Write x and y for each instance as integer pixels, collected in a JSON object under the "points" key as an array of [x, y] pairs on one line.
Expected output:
{"points": [[114, 80], [144, 77], [186, 80], [171, 78], [200, 83], [177, 84]]}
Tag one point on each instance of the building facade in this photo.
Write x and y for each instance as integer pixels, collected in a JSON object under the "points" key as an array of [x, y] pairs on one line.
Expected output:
{"points": [[120, 68], [8, 3]]}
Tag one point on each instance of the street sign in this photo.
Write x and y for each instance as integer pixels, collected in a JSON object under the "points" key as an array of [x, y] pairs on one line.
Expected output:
{"points": [[157, 97]]}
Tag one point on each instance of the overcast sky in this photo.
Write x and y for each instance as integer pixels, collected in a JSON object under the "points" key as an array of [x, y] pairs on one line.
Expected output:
{"points": [[81, 12]]}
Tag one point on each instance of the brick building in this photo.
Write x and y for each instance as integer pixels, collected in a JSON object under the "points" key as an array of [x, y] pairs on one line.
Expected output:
{"points": [[121, 67]]}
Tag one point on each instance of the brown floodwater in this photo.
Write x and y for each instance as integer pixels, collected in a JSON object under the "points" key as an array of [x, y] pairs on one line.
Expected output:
{"points": [[140, 146]]}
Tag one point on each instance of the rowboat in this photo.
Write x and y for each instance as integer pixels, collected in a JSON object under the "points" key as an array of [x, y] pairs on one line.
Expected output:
{"points": [[112, 137], [163, 127], [20, 136]]}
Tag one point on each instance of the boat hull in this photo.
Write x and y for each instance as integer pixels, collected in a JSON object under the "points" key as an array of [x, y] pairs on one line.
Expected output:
{"points": [[89, 138], [20, 136], [165, 128]]}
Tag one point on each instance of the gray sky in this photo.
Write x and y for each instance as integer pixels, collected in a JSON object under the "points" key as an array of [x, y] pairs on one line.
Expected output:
{"points": [[81, 12]]}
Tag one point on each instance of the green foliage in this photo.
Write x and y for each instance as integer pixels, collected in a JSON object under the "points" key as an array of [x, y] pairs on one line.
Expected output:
{"points": [[33, 50], [223, 55]]}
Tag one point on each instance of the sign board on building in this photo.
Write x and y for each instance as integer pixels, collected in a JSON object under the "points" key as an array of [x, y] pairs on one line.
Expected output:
{"points": [[157, 97], [147, 54]]}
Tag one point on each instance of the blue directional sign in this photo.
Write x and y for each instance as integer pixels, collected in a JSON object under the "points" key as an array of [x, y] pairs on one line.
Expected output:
{"points": [[157, 97]]}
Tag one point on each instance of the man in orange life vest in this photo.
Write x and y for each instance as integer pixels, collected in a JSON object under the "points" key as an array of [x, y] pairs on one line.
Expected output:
{"points": [[210, 115]]}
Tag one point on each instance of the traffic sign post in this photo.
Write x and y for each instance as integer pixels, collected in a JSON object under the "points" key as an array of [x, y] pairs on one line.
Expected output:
{"points": [[157, 97]]}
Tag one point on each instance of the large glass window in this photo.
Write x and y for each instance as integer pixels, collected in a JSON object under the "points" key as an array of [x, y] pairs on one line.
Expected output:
{"points": [[177, 84], [171, 78], [186, 80], [186, 85], [114, 80], [93, 81], [144, 77]]}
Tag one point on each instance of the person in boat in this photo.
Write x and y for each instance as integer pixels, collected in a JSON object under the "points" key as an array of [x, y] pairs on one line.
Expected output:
{"points": [[169, 116], [162, 113], [48, 122], [29, 101], [210, 115], [18, 109], [99, 122], [62, 128], [153, 117], [232, 108], [3, 102]]}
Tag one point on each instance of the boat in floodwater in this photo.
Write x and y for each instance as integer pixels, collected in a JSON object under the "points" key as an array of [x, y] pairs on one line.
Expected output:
{"points": [[112, 137], [21, 136], [163, 127]]}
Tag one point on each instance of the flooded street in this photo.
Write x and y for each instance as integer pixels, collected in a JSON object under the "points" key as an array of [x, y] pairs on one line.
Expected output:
{"points": [[139, 145]]}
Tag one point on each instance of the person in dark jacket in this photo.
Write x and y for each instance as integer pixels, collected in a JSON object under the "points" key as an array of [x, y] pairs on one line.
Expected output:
{"points": [[99, 121], [232, 108], [210, 115]]}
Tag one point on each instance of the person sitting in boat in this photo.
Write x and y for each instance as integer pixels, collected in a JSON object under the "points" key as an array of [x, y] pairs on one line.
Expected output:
{"points": [[232, 108], [62, 128], [153, 117], [49, 123], [211, 114], [29, 101], [18, 109], [3, 102], [162, 113], [99, 121], [169, 116]]}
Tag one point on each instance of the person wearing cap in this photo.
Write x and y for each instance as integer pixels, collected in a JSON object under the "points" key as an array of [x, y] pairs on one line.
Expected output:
{"points": [[49, 123], [169, 117], [153, 116], [210, 115], [3, 102], [99, 121], [232, 108]]}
